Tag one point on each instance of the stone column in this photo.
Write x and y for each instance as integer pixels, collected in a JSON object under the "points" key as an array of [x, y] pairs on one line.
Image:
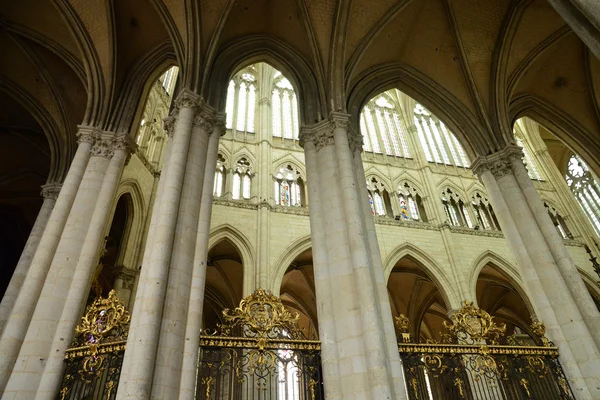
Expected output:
{"points": [[359, 338], [265, 193], [550, 295], [50, 193], [142, 343], [189, 369], [557, 247], [375, 258], [22, 312], [167, 373], [120, 148], [151, 219], [583, 16]]}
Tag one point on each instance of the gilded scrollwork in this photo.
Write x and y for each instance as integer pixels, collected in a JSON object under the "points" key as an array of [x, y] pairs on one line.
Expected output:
{"points": [[470, 324]]}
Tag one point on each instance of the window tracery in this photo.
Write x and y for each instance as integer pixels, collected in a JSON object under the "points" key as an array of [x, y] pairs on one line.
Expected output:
{"points": [[289, 187], [484, 213], [380, 122], [439, 144], [220, 175], [285, 108], [241, 102], [411, 204], [242, 179], [558, 222], [530, 164], [379, 198], [455, 209], [586, 190]]}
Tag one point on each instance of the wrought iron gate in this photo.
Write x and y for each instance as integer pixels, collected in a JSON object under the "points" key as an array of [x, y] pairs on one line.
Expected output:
{"points": [[96, 354], [471, 364], [259, 354]]}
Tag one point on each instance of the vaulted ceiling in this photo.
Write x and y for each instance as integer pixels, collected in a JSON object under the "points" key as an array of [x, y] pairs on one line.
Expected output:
{"points": [[478, 65]]}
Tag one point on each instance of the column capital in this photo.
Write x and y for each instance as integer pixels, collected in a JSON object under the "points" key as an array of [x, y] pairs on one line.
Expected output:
{"points": [[51, 190], [187, 99], [103, 145], [321, 133], [205, 117], [127, 275], [87, 134], [499, 163], [220, 123], [123, 142]]}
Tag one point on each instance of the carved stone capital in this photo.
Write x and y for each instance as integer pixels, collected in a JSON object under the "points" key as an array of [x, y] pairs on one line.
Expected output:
{"points": [[51, 190], [187, 99], [355, 140], [220, 123], [87, 134], [205, 121], [125, 143], [169, 123], [320, 134], [103, 145], [126, 275], [500, 163], [339, 120]]}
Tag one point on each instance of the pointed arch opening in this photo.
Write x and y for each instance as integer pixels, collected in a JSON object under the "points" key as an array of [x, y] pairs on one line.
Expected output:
{"points": [[224, 282], [414, 293], [498, 295], [298, 293]]}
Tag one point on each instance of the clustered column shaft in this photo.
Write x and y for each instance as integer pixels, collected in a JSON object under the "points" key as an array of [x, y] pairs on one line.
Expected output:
{"points": [[356, 339], [552, 298], [174, 263], [36, 325]]}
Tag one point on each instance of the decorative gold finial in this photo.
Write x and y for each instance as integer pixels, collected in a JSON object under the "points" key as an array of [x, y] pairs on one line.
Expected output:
{"points": [[470, 323]]}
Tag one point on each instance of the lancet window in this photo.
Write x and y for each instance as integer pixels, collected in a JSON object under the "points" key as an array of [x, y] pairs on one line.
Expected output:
{"points": [[484, 213], [242, 179], [379, 198], [411, 205], [439, 144], [284, 105], [586, 190], [241, 101], [289, 187], [168, 80], [530, 164], [558, 221], [220, 175], [457, 213], [381, 129]]}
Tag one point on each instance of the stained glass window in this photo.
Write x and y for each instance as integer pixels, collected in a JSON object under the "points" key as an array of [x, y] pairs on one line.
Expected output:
{"points": [[439, 144], [289, 190], [586, 190], [168, 79], [381, 128], [411, 206]]}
